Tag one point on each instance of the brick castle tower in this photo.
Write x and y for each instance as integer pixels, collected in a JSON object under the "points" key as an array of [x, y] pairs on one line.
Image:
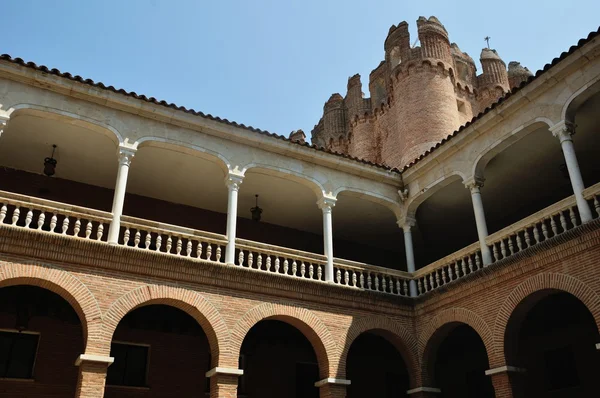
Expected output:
{"points": [[418, 96]]}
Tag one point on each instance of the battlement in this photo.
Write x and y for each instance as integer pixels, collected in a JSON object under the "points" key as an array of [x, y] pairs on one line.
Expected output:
{"points": [[418, 95]]}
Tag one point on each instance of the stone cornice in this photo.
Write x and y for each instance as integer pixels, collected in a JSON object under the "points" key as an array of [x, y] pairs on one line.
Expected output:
{"points": [[189, 121], [17, 244]]}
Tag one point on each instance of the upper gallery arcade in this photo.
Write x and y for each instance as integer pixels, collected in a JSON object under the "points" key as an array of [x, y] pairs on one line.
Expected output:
{"points": [[419, 95]]}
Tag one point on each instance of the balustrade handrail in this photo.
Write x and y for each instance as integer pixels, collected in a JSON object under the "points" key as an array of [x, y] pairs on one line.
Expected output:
{"points": [[279, 250], [536, 217], [458, 255], [170, 229], [359, 266], [52, 206]]}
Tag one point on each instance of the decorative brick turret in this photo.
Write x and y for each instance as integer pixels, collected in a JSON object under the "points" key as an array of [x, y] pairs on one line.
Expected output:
{"points": [[419, 95]]}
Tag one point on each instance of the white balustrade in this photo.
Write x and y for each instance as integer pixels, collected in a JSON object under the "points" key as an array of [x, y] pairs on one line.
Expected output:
{"points": [[172, 240], [448, 269], [21, 211], [280, 260], [369, 277]]}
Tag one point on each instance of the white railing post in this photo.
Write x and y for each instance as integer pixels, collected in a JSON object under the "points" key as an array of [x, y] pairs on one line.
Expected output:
{"points": [[233, 182], [564, 131], [407, 224], [474, 186], [125, 156], [326, 204]]}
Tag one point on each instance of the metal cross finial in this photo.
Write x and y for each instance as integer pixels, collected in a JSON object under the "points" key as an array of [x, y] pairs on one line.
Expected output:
{"points": [[487, 39]]}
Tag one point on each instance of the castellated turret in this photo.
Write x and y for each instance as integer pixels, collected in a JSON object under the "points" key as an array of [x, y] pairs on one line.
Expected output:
{"points": [[419, 95]]}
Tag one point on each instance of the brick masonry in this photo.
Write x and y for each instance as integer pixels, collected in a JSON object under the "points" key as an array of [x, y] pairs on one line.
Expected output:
{"points": [[103, 283]]}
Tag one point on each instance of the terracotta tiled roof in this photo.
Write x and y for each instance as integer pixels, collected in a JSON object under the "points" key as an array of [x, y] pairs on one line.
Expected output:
{"points": [[540, 72], [153, 100]]}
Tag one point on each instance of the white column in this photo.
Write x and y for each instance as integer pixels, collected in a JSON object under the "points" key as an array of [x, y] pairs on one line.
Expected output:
{"points": [[125, 156], [564, 132], [408, 223], [482, 232], [233, 182], [326, 205]]}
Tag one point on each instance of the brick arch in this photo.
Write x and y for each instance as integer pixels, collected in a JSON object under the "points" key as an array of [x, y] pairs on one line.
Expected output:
{"points": [[395, 333], [427, 343], [538, 283], [67, 286], [305, 321], [189, 301]]}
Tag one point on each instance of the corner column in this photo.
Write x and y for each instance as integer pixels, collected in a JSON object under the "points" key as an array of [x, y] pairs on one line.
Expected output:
{"points": [[564, 132], [125, 156], [406, 225], [507, 381], [92, 375], [233, 182], [224, 382], [332, 387], [326, 205], [482, 232]]}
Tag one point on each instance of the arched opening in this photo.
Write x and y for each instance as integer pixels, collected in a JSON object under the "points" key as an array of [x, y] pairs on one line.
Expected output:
{"points": [[86, 167], [372, 238], [177, 185], [41, 336], [445, 222], [515, 168], [290, 216], [158, 351], [458, 361], [552, 336], [376, 368], [278, 361]]}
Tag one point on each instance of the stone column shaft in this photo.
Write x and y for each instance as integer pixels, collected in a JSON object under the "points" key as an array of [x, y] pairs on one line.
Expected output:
{"points": [[125, 156], [482, 231], [410, 255], [564, 132], [233, 185], [326, 205]]}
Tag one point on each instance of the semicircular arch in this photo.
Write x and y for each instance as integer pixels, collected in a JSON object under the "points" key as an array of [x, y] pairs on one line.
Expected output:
{"points": [[310, 182], [432, 188], [500, 145], [67, 286], [392, 331], [428, 342], [191, 302], [373, 197], [537, 283], [326, 350], [52, 113]]}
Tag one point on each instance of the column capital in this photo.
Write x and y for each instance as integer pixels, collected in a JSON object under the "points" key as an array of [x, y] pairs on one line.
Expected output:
{"points": [[332, 380], [234, 180], [504, 369], [407, 222], [563, 130], [224, 371], [474, 184], [99, 359], [326, 203], [126, 155], [424, 389]]}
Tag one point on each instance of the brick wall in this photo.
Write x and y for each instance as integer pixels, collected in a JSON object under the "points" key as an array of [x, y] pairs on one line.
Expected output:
{"points": [[228, 301]]}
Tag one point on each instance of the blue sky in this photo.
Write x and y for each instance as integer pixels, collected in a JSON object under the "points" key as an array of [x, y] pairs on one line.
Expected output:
{"points": [[267, 63]]}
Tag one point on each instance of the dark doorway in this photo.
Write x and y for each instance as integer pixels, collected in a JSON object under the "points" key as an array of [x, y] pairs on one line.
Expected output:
{"points": [[278, 361], [556, 345], [376, 369], [460, 365]]}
